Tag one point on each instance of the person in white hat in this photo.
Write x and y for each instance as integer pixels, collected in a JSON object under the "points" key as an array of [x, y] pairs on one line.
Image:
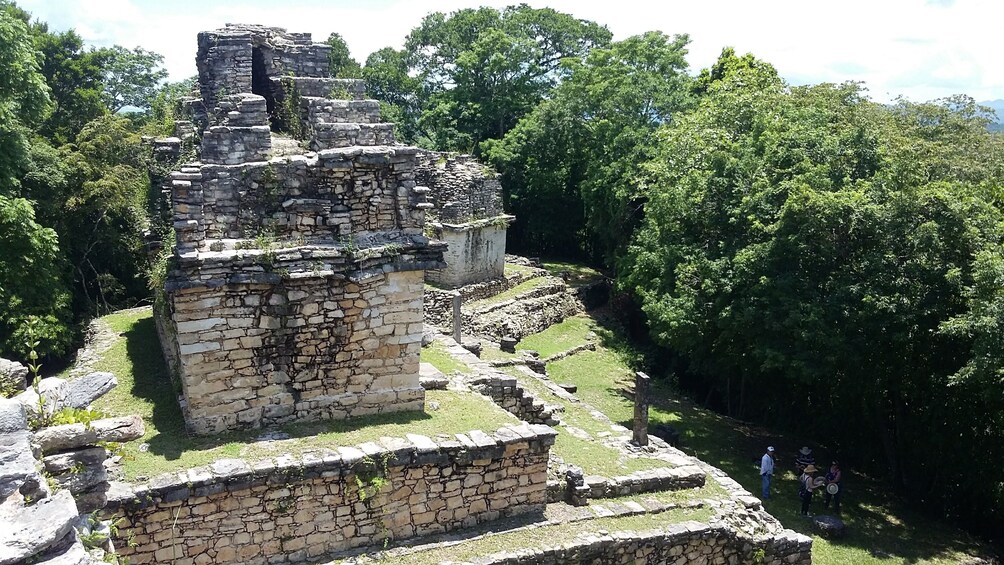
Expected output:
{"points": [[804, 458], [766, 472]]}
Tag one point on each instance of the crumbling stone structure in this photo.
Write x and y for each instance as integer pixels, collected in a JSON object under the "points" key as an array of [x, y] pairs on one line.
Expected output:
{"points": [[295, 288], [467, 216]]}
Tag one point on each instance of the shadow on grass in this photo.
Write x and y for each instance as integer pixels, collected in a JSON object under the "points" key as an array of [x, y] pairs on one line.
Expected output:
{"points": [[169, 438], [879, 523]]}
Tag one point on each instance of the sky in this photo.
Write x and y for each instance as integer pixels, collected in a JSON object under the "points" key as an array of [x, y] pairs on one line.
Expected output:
{"points": [[919, 49]]}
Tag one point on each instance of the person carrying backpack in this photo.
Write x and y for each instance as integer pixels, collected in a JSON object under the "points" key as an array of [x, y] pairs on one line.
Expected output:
{"points": [[807, 487]]}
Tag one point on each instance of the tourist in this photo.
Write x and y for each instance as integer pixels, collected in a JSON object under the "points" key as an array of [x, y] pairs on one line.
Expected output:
{"points": [[804, 458], [833, 477], [766, 472], [806, 487]]}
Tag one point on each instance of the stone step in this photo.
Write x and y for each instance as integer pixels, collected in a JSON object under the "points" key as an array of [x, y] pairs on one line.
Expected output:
{"points": [[334, 88], [329, 135], [317, 110]]}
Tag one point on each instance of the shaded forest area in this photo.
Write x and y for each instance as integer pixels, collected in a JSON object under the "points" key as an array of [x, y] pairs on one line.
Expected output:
{"points": [[802, 257]]}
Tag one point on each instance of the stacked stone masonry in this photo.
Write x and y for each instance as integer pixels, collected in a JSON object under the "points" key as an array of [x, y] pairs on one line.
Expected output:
{"points": [[296, 285], [680, 544], [293, 510], [467, 216]]}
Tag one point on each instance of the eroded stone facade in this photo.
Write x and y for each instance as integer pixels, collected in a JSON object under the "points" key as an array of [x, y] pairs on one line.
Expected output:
{"points": [[296, 284], [467, 216]]}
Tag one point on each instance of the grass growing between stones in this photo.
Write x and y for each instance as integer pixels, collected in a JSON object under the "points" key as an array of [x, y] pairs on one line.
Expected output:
{"points": [[441, 359], [145, 389], [552, 536], [525, 286], [513, 269], [882, 528], [570, 333]]}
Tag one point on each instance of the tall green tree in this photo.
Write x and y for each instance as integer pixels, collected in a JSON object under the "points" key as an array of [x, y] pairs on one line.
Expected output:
{"points": [[340, 62], [483, 69], [579, 149], [131, 77], [24, 97], [388, 79]]}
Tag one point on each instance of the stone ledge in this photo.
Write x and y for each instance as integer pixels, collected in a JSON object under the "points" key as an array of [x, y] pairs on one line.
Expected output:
{"points": [[233, 475]]}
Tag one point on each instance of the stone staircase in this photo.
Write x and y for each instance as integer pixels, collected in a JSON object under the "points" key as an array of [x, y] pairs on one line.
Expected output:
{"points": [[335, 112]]}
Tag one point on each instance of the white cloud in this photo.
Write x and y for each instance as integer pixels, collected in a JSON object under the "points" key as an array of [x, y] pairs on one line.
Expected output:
{"points": [[921, 49]]}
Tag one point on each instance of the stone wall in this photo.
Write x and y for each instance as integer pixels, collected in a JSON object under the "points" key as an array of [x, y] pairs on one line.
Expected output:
{"points": [[467, 214], [506, 392], [300, 349], [687, 542], [462, 188], [475, 252], [439, 303], [535, 311], [295, 509], [329, 196]]}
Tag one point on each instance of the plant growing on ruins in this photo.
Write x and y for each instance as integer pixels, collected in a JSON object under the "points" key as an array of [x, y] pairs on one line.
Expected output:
{"points": [[289, 119], [339, 92], [75, 416], [39, 420], [371, 476]]}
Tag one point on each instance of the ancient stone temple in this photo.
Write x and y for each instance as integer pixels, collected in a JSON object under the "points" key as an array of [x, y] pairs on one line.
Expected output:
{"points": [[467, 215], [295, 291]]}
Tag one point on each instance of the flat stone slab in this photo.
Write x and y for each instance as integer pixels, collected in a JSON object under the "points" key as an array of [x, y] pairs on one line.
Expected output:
{"points": [[70, 436], [32, 529], [829, 526]]}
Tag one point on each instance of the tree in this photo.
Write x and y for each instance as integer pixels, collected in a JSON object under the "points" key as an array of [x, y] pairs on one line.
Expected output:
{"points": [[24, 97], [388, 80], [579, 149], [340, 62], [131, 77], [30, 283], [74, 76], [823, 261], [481, 69]]}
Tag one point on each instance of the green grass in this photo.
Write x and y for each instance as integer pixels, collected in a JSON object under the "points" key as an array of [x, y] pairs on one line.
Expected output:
{"points": [[882, 528], [441, 359], [145, 389], [525, 286], [594, 457], [577, 274], [561, 337], [512, 269], [552, 536]]}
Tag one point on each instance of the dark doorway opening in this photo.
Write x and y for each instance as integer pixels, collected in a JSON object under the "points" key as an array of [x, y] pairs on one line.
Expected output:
{"points": [[260, 83]]}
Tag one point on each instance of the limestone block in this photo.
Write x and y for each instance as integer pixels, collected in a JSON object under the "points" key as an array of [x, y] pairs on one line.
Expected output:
{"points": [[13, 375], [69, 436], [30, 530], [81, 392]]}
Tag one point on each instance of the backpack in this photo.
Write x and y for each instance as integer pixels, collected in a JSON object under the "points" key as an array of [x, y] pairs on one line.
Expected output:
{"points": [[802, 490]]}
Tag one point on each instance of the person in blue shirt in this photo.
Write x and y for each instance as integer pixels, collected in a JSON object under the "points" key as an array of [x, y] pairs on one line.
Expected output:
{"points": [[766, 472]]}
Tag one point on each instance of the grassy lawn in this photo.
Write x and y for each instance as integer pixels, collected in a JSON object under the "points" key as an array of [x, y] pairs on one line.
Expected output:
{"points": [[577, 274], [882, 529], [441, 359], [525, 286], [560, 337], [145, 389]]}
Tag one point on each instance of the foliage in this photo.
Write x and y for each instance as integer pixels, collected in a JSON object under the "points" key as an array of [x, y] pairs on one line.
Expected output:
{"points": [[340, 62], [809, 245], [31, 286], [24, 97], [388, 80], [165, 106], [476, 72], [131, 77], [577, 151]]}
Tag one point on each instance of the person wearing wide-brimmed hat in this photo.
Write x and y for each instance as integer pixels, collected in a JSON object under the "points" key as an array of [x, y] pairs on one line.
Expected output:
{"points": [[807, 487], [804, 458]]}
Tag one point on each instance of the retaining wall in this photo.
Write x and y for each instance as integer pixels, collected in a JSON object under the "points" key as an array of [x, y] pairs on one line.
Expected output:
{"points": [[295, 509]]}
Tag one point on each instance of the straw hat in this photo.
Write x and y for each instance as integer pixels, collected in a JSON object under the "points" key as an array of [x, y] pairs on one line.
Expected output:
{"points": [[805, 451], [810, 469]]}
